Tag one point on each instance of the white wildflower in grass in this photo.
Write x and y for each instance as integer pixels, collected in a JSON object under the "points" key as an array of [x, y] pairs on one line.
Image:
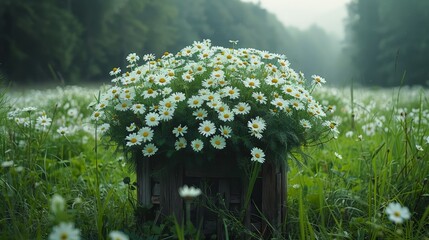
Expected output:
{"points": [[226, 116], [180, 131], [7, 164], [318, 80], [189, 193], [103, 128], [259, 97], [337, 155], [232, 92], [152, 119], [115, 71], [131, 128], [305, 123], [146, 133], [43, 121], [133, 139], [63, 131], [118, 235], [132, 58], [200, 114], [257, 155], [349, 134], [64, 231], [397, 213], [218, 142], [225, 131], [195, 102], [123, 106], [256, 126], [427, 139], [166, 114], [252, 83], [197, 145], [419, 148], [207, 128], [58, 204], [96, 115], [149, 150], [181, 143], [138, 108], [242, 108], [279, 103]]}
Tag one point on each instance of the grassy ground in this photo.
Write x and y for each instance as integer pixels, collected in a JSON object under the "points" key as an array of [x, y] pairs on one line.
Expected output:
{"points": [[339, 191]]}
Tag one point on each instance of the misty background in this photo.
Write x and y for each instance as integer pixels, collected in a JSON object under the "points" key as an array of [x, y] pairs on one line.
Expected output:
{"points": [[385, 43]]}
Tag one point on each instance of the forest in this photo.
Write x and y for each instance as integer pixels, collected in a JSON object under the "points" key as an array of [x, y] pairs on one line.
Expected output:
{"points": [[77, 41]]}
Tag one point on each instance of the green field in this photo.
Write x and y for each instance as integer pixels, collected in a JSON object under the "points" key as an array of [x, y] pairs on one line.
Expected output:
{"points": [[336, 190]]}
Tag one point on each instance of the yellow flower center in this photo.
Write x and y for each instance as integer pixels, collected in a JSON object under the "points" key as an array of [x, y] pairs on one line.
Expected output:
{"points": [[145, 134], [241, 108], [255, 125], [257, 155], [152, 119], [133, 140], [207, 129]]}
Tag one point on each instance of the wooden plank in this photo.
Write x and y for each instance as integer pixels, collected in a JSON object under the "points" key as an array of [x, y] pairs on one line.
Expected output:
{"points": [[143, 181], [170, 200], [269, 187]]}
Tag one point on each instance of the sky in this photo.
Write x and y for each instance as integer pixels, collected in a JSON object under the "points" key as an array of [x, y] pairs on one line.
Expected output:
{"points": [[328, 14]]}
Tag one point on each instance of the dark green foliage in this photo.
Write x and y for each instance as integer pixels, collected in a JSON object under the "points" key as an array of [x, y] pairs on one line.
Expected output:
{"points": [[387, 39]]}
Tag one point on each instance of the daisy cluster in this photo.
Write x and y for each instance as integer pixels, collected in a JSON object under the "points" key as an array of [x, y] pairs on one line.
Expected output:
{"points": [[205, 97]]}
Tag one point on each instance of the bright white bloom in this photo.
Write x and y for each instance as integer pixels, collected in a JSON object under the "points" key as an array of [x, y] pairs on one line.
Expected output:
{"points": [[256, 126], [200, 114], [118, 235], [338, 155], [189, 193], [257, 155], [180, 131], [149, 150], [43, 121], [133, 139], [305, 123], [226, 116], [397, 213], [274, 81], [419, 148], [178, 97], [232, 92], [195, 101], [103, 128], [242, 108], [131, 128], [152, 119], [65, 231], [207, 128], [197, 145], [180, 143], [259, 97], [115, 71], [225, 131], [63, 130], [6, 164], [132, 58], [166, 114], [218, 142], [349, 134], [138, 108], [252, 83], [149, 93], [148, 57], [146, 134], [280, 103], [427, 139], [298, 105], [58, 204], [318, 80], [123, 106]]}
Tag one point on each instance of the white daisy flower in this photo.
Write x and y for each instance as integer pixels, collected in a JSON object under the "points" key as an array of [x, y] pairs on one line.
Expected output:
{"points": [[419, 148], [162, 80], [318, 80], [180, 144], [241, 108], [197, 145], [305, 123], [337, 155], [207, 128], [256, 126], [146, 134], [132, 127], [252, 83], [133, 139], [225, 131], [65, 231], [149, 93], [103, 128], [187, 77], [58, 204], [123, 106], [149, 150], [257, 155], [138, 108], [180, 131], [63, 131], [298, 105], [397, 213], [178, 97], [168, 104], [226, 116], [132, 58], [232, 92], [274, 81], [118, 235], [259, 97], [280, 103], [218, 142], [189, 193], [152, 119], [195, 101], [200, 114], [166, 114], [43, 121]]}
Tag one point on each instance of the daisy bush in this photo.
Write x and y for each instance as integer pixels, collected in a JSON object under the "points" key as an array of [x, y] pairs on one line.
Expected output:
{"points": [[207, 101]]}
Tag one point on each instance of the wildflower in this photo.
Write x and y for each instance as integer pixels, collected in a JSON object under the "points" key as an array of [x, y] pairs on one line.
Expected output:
{"points": [[7, 164], [200, 114], [97, 115], [252, 83], [180, 144], [103, 127], [138, 108], [180, 131], [166, 114], [29, 109], [44, 121], [115, 71], [63, 131], [338, 155], [123, 106], [279, 103], [225, 131], [258, 155], [148, 57], [218, 142], [318, 80], [146, 134], [197, 145], [65, 231], [132, 58], [241, 108], [133, 139], [427, 139], [207, 128], [256, 126], [118, 235], [152, 119], [178, 97], [419, 148], [232, 92], [195, 102], [259, 97], [131, 128], [397, 213], [226, 116], [149, 150], [349, 134], [189, 193], [305, 123], [57, 204]]}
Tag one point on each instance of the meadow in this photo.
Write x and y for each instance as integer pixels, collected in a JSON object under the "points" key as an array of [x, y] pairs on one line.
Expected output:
{"points": [[371, 182]]}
